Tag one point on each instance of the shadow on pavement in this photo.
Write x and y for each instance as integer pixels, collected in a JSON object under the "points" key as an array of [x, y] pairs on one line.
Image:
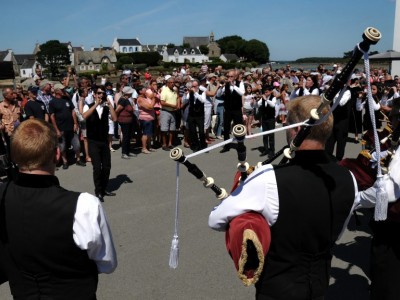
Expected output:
{"points": [[351, 282], [115, 183]]}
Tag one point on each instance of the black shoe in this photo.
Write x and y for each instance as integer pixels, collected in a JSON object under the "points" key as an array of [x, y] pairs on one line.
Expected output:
{"points": [[132, 154], [81, 163], [101, 198], [224, 149], [109, 194], [65, 166], [264, 153]]}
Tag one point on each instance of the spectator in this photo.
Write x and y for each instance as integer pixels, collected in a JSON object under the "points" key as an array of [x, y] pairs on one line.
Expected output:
{"points": [[63, 118], [146, 119], [96, 115]]}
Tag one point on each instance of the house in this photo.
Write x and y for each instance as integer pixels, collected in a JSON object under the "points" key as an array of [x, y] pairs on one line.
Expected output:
{"points": [[95, 60], [8, 56], [127, 45], [101, 47], [184, 55], [154, 48], [26, 64], [195, 42], [229, 58]]}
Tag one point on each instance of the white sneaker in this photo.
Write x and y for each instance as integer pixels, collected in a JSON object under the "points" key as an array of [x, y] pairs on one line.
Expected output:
{"points": [[219, 137]]}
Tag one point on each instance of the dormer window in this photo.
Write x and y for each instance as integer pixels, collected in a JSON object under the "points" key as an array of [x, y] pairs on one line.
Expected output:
{"points": [[193, 52]]}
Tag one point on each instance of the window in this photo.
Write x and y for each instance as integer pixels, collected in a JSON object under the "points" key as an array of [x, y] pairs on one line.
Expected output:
{"points": [[130, 49], [124, 49]]}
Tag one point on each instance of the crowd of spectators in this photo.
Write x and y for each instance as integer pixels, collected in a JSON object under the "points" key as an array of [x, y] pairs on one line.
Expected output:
{"points": [[188, 108]]}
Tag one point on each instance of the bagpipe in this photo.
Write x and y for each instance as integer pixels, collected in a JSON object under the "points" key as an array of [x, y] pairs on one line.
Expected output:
{"points": [[248, 236]]}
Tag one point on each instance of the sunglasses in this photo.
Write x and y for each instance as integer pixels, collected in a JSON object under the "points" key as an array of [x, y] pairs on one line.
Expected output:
{"points": [[100, 93]]}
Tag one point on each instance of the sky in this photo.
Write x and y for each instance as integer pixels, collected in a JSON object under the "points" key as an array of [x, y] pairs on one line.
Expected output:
{"points": [[291, 29]]}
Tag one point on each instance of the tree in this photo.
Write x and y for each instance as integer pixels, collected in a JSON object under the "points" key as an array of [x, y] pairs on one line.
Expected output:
{"points": [[257, 51], [170, 45], [253, 50], [204, 49], [229, 44], [53, 55], [347, 54]]}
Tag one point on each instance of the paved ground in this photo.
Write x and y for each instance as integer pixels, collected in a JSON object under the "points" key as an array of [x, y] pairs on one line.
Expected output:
{"points": [[142, 221]]}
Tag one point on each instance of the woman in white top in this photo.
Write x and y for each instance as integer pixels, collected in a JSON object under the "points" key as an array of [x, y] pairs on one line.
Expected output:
{"points": [[248, 107]]}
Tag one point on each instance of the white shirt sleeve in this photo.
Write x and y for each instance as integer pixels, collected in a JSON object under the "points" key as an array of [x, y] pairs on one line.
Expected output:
{"points": [[272, 102], [258, 193], [240, 90], [92, 233], [391, 184], [345, 98]]}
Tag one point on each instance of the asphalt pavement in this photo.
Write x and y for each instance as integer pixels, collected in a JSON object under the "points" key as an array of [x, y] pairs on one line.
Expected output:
{"points": [[142, 218]]}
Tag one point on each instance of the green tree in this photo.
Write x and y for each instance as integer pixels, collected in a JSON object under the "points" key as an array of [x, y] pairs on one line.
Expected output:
{"points": [[347, 54], [255, 50], [170, 45], [204, 49], [229, 44], [53, 55]]}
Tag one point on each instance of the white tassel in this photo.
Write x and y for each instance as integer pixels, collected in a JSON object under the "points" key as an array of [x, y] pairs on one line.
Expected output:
{"points": [[174, 254], [382, 200]]}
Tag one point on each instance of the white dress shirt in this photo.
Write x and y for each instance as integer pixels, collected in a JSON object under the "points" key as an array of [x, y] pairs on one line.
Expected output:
{"points": [[92, 233]]}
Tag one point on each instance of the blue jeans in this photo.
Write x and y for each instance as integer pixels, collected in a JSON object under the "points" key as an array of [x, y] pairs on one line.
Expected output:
{"points": [[220, 119]]}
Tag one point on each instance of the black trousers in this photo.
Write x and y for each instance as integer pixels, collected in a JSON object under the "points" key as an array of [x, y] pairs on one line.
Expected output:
{"points": [[126, 129], [197, 140], [339, 137], [385, 260], [101, 160], [231, 115], [268, 139]]}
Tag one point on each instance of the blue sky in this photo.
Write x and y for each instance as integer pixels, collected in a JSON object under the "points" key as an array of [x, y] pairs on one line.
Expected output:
{"points": [[291, 29]]}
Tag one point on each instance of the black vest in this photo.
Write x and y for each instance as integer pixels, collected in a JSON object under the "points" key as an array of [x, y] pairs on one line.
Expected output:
{"points": [[97, 128], [233, 101], [342, 113], [37, 247], [196, 108], [268, 112], [315, 198]]}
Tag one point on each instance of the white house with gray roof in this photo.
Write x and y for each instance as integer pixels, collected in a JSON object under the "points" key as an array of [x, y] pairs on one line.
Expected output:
{"points": [[27, 64], [184, 55], [127, 45]]}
